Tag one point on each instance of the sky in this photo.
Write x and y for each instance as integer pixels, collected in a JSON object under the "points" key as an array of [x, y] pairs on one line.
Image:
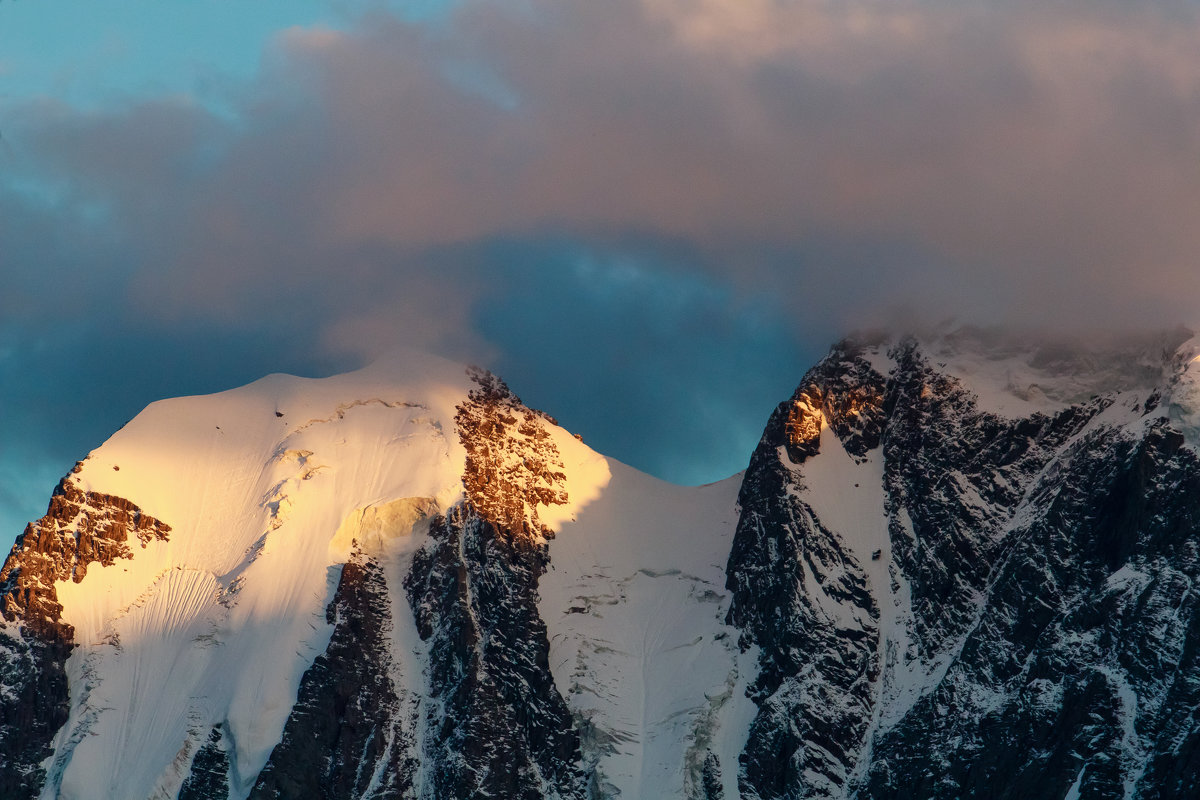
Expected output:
{"points": [[649, 216]]}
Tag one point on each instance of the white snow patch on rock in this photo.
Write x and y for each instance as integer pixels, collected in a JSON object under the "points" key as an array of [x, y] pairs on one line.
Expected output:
{"points": [[1185, 393]]}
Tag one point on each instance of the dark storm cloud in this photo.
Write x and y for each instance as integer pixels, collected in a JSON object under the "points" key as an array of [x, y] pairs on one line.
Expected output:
{"points": [[449, 184]]}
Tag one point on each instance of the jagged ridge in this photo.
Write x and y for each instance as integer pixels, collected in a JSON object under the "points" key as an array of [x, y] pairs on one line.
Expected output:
{"points": [[1035, 628]]}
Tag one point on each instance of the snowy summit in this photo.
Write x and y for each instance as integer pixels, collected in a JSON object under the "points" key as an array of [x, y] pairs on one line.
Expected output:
{"points": [[404, 583]]}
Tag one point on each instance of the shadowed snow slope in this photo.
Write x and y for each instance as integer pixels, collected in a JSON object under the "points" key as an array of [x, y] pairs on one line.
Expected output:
{"points": [[635, 601]]}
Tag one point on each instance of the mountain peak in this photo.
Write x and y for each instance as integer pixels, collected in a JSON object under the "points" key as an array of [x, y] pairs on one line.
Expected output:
{"points": [[403, 582], [1015, 374]]}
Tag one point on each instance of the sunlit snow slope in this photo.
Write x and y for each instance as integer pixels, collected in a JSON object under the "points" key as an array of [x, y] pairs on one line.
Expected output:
{"points": [[218, 622], [195, 640]]}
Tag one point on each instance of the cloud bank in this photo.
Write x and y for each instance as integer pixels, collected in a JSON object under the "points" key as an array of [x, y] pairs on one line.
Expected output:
{"points": [[644, 186]]}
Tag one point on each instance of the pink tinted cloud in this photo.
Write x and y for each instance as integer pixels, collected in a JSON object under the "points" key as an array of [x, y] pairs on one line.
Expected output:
{"points": [[1037, 164]]}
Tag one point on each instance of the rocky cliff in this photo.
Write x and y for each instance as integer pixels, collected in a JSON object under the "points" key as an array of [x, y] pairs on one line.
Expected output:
{"points": [[958, 591]]}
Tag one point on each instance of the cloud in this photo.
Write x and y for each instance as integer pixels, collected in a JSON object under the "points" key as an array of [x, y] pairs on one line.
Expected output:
{"points": [[1019, 152], [440, 183], [655, 364]]}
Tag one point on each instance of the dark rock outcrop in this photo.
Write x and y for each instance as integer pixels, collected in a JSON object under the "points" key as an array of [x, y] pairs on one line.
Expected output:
{"points": [[350, 735], [816, 677], [496, 725], [1046, 564], [711, 787], [1074, 671], [209, 777], [79, 528], [955, 476], [33, 706], [512, 464]]}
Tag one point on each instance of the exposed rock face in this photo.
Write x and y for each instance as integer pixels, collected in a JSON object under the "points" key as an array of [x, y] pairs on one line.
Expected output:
{"points": [[1074, 672], [349, 735], [209, 777], [846, 394], [78, 528], [497, 726], [819, 655], [1033, 633], [33, 706], [512, 464], [711, 787], [954, 477]]}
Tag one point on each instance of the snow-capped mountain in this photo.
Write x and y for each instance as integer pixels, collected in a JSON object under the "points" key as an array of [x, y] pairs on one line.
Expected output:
{"points": [[970, 570], [957, 566]]}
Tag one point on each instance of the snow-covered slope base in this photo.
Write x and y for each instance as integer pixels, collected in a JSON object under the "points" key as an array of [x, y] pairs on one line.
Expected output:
{"points": [[635, 601]]}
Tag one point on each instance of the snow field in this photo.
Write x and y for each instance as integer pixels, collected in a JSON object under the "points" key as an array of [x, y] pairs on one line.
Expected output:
{"points": [[634, 601], [219, 623]]}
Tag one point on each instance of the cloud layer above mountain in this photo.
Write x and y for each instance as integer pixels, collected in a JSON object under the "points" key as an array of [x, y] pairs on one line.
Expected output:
{"points": [[765, 173]]}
